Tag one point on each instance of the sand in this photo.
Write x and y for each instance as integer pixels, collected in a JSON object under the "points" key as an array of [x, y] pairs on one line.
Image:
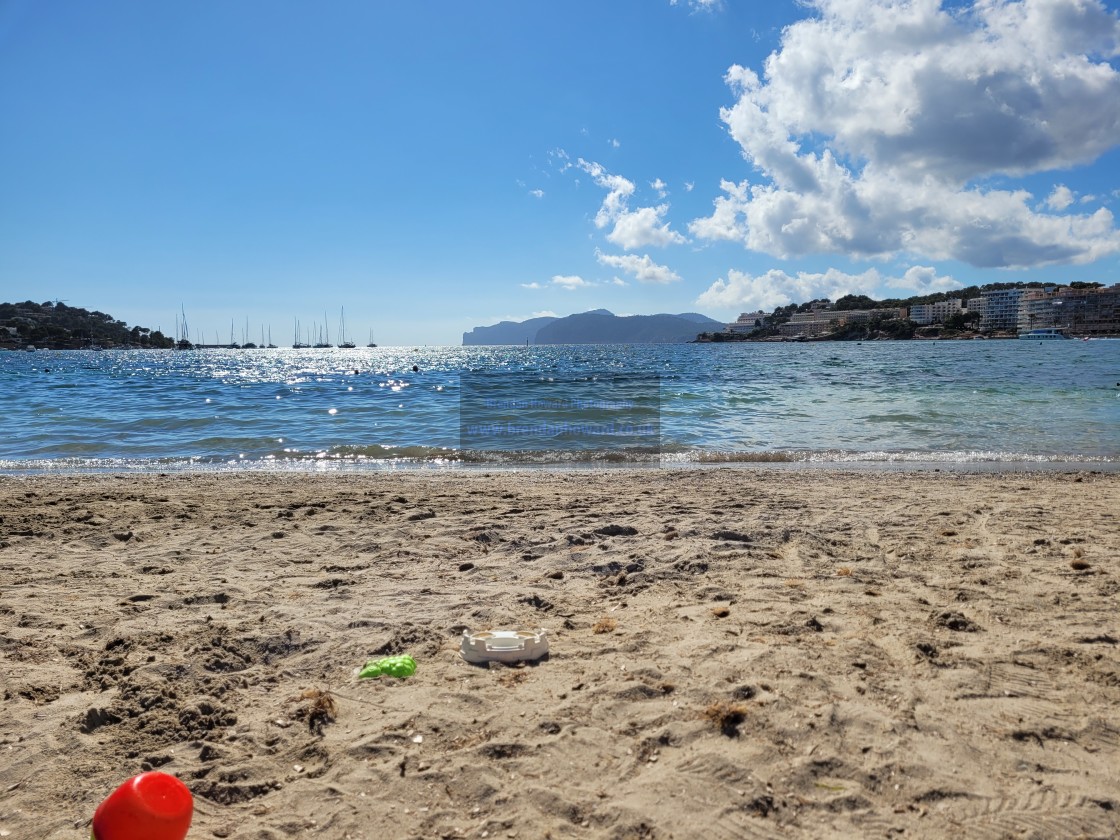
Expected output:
{"points": [[735, 653]]}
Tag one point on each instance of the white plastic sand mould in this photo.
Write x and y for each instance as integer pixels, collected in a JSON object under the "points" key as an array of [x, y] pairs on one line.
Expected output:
{"points": [[504, 645]]}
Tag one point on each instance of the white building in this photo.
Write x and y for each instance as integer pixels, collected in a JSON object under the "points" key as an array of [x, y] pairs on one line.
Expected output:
{"points": [[1081, 312], [1001, 309], [935, 313], [823, 321], [747, 322]]}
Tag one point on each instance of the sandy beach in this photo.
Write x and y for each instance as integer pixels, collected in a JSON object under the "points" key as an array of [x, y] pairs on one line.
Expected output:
{"points": [[735, 653]]}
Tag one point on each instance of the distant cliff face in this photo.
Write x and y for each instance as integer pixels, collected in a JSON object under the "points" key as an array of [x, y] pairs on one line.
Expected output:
{"points": [[596, 327], [506, 332]]}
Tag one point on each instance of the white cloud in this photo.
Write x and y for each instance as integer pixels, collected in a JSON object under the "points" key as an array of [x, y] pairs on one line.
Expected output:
{"points": [[614, 144], [533, 285], [1060, 198], [547, 313], [537, 193], [728, 221], [689, 186], [660, 187], [922, 280], [631, 228], [618, 281], [559, 159], [618, 189], [777, 288], [701, 5], [570, 282], [642, 268], [641, 227], [878, 122]]}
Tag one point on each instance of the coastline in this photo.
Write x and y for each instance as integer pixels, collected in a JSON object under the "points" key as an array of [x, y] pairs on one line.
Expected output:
{"points": [[610, 462], [780, 652]]}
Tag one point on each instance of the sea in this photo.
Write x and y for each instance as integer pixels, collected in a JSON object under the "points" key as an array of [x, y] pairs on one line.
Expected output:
{"points": [[994, 404]]}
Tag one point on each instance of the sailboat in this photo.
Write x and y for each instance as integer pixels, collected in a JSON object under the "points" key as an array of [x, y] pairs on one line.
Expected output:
{"points": [[182, 339], [371, 344], [321, 342], [342, 331], [246, 344], [297, 344]]}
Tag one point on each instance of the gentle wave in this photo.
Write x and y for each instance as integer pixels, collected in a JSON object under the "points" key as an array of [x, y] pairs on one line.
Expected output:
{"points": [[881, 403], [414, 458]]}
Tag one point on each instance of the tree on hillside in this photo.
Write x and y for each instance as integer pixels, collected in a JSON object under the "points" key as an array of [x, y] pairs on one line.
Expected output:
{"points": [[849, 302], [962, 321]]}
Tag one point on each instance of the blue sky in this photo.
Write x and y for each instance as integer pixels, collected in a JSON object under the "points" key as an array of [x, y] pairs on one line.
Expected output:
{"points": [[435, 166]]}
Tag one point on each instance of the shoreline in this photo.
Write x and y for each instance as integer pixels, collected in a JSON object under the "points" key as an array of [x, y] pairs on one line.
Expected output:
{"points": [[743, 652], [752, 462]]}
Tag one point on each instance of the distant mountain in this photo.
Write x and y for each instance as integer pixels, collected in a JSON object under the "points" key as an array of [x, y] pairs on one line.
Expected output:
{"points": [[596, 327], [506, 332], [697, 318]]}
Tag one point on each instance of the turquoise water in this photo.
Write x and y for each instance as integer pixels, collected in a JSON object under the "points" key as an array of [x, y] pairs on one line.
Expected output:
{"points": [[945, 402]]}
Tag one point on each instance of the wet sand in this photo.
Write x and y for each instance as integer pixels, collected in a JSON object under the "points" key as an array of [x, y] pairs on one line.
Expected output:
{"points": [[735, 653]]}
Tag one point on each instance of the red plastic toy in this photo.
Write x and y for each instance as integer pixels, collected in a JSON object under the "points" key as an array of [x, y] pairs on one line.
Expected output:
{"points": [[151, 806]]}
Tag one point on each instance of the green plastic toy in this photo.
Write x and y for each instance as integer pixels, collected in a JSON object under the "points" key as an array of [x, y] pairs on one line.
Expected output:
{"points": [[395, 666]]}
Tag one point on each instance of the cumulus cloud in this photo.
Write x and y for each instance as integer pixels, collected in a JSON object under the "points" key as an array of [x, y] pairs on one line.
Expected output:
{"points": [[777, 288], [642, 268], [728, 221], [629, 229], [660, 187], [1060, 198], [533, 285], [570, 282], [923, 280], [537, 193], [878, 123]]}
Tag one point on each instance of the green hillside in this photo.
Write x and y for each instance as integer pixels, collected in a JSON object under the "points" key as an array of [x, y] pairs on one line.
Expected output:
{"points": [[54, 325]]}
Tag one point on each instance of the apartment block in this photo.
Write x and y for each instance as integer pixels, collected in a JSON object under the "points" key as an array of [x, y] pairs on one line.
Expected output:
{"points": [[1077, 312], [821, 321], [935, 313], [1001, 309], [747, 322]]}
